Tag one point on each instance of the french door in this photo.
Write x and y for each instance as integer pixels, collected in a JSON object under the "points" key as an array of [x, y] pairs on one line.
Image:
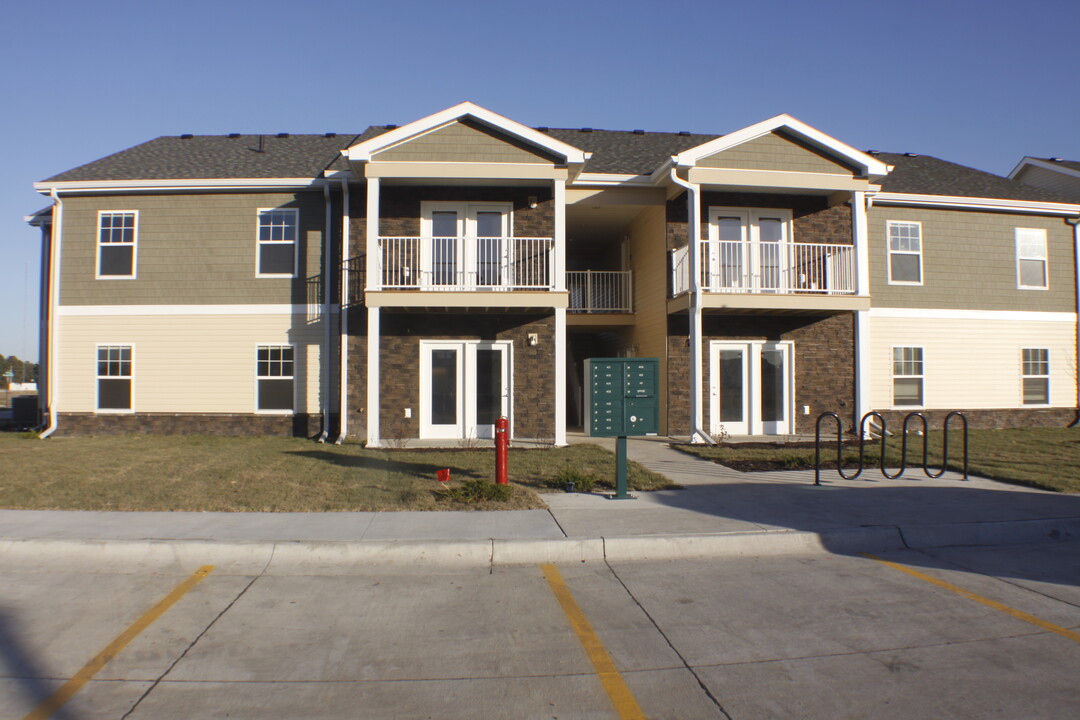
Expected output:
{"points": [[748, 249], [464, 388], [751, 387], [465, 245]]}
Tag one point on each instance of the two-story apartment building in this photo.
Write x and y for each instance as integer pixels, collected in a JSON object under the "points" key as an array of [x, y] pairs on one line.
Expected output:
{"points": [[420, 281]]}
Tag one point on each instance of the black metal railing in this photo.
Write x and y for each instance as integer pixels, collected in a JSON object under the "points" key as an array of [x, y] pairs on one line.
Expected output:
{"points": [[884, 433]]}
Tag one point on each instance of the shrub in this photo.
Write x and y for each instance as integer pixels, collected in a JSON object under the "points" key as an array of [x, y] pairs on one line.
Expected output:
{"points": [[474, 491]]}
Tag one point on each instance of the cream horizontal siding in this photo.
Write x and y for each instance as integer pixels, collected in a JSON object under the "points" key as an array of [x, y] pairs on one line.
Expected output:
{"points": [[186, 363], [649, 266], [972, 363]]}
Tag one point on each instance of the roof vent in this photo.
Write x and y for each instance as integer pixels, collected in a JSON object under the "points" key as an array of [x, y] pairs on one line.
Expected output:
{"points": [[543, 129], [684, 132], [639, 132], [330, 135], [390, 127], [873, 152], [1057, 159], [234, 135], [586, 129], [911, 154], [282, 135], [186, 136]]}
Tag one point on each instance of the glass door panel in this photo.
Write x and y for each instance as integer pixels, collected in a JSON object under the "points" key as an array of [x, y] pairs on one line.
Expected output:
{"points": [[773, 389], [445, 230], [769, 247], [490, 247], [442, 408], [729, 374]]}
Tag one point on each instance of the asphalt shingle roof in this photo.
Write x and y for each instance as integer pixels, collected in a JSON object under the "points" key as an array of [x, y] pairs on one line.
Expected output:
{"points": [[926, 175], [618, 152]]}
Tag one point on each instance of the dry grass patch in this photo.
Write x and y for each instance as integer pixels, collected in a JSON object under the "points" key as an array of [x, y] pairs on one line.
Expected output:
{"points": [[1047, 458], [197, 473]]}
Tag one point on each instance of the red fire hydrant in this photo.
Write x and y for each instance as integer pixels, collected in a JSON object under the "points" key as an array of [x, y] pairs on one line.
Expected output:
{"points": [[502, 445]]}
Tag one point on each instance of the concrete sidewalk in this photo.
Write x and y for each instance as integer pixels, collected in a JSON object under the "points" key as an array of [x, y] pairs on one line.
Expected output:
{"points": [[718, 512]]}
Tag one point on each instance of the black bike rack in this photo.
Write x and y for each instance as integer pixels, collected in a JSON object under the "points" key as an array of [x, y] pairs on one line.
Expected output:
{"points": [[903, 445]]}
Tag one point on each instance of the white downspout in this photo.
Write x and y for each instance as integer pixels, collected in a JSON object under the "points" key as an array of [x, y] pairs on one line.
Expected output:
{"points": [[325, 354], [54, 302], [1075, 222], [693, 232], [860, 204], [343, 319]]}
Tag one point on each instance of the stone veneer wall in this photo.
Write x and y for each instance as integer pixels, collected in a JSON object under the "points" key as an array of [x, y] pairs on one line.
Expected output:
{"points": [[301, 425], [824, 360], [994, 418], [399, 357]]}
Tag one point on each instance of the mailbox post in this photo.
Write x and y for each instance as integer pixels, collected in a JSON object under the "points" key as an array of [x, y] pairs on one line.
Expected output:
{"points": [[622, 400]]}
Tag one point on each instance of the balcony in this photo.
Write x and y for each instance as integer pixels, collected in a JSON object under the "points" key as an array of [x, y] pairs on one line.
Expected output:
{"points": [[822, 274], [456, 264], [600, 291]]}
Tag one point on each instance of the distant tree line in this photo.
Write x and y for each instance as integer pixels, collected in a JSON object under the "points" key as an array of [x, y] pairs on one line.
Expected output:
{"points": [[22, 370]]}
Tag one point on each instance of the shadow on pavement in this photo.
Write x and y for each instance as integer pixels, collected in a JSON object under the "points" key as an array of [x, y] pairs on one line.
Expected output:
{"points": [[22, 669]]}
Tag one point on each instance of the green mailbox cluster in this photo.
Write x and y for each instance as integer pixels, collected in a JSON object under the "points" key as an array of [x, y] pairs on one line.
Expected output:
{"points": [[623, 396]]}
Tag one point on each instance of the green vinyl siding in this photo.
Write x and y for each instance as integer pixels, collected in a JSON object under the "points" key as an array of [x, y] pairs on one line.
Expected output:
{"points": [[192, 249], [969, 261]]}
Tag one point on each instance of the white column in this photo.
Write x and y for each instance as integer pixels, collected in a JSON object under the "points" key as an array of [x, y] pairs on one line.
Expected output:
{"points": [[373, 377], [697, 378], [860, 238], [559, 268], [560, 377], [372, 269]]}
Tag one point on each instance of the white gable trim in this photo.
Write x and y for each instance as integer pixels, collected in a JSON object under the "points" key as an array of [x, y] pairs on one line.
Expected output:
{"points": [[870, 165], [1035, 162], [363, 152], [974, 203]]}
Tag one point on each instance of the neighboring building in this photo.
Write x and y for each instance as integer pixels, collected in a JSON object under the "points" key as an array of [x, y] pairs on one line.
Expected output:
{"points": [[420, 281], [1055, 174]]}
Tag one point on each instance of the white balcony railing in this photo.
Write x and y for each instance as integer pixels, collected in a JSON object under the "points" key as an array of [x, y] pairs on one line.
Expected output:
{"points": [[600, 291], [783, 268], [456, 263]]}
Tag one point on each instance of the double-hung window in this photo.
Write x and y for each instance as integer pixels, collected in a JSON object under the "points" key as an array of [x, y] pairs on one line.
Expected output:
{"points": [[116, 244], [905, 252], [1035, 376], [277, 243], [1031, 259], [907, 371], [114, 377], [275, 378]]}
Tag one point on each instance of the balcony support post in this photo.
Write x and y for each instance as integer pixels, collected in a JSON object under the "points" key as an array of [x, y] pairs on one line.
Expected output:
{"points": [[559, 271], [560, 377], [372, 263], [373, 400]]}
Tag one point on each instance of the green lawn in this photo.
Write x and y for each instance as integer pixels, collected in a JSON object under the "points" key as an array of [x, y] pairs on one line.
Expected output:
{"points": [[141, 472], [1047, 458]]}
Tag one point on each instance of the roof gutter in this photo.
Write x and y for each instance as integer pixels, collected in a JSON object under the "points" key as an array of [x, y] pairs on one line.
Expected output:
{"points": [[1075, 222], [50, 313], [697, 434]]}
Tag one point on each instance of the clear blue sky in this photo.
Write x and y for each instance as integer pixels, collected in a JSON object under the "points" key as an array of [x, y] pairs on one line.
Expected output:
{"points": [[977, 82]]}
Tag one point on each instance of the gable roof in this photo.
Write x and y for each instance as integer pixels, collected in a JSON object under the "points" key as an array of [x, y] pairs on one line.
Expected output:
{"points": [[926, 175]]}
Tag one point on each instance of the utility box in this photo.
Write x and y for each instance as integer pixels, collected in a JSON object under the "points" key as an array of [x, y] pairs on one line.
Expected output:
{"points": [[622, 396]]}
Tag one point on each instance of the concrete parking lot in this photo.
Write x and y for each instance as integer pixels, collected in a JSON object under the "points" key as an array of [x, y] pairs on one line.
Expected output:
{"points": [[816, 635]]}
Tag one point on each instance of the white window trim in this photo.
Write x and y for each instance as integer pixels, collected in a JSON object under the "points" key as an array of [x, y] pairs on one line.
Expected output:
{"points": [[893, 376], [295, 212], [97, 394], [889, 252], [134, 245], [1024, 377], [295, 377], [1045, 259]]}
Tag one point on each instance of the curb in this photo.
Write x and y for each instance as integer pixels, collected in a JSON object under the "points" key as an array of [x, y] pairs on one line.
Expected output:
{"points": [[340, 558]]}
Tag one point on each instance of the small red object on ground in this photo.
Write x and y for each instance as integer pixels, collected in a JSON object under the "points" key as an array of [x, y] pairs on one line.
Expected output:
{"points": [[502, 443], [443, 475]]}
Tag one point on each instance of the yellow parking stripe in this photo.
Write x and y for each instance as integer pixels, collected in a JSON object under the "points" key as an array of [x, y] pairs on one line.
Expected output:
{"points": [[66, 691], [617, 691], [1018, 614]]}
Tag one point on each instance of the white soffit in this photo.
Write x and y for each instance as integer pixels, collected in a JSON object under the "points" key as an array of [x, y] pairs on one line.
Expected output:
{"points": [[870, 165], [363, 152]]}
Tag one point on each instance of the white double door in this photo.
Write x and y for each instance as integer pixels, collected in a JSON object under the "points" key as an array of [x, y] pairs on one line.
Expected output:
{"points": [[751, 387], [466, 244], [748, 249], [464, 388]]}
